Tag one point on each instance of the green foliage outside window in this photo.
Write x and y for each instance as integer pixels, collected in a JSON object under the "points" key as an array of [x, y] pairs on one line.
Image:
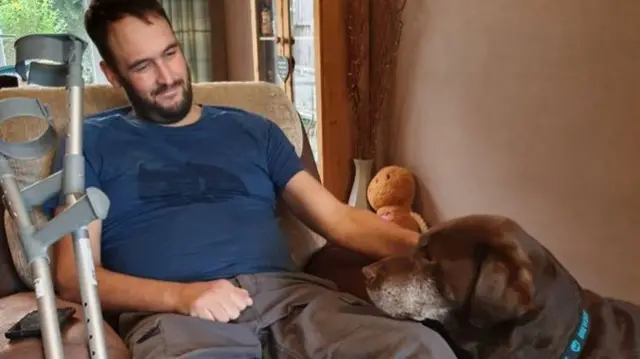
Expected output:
{"points": [[24, 17]]}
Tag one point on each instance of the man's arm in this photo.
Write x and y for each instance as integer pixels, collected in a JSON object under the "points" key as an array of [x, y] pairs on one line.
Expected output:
{"points": [[360, 230], [119, 292]]}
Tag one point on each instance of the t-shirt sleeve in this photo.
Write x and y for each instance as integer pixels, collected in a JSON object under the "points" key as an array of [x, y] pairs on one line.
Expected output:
{"points": [[90, 177], [282, 160]]}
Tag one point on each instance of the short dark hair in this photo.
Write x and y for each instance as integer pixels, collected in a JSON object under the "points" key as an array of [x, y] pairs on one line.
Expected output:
{"points": [[102, 13]]}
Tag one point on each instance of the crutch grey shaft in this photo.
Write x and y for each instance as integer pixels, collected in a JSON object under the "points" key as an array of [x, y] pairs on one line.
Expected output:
{"points": [[38, 262], [73, 188], [20, 202], [62, 55], [19, 210]]}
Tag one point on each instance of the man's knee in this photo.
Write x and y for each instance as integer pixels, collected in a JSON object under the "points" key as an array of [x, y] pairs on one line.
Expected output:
{"points": [[414, 340], [404, 337]]}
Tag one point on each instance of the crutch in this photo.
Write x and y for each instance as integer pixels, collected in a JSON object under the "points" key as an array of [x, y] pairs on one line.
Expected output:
{"points": [[54, 60]]}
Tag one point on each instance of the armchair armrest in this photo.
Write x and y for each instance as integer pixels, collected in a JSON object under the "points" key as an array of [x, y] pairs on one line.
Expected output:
{"points": [[14, 307], [341, 266], [10, 282]]}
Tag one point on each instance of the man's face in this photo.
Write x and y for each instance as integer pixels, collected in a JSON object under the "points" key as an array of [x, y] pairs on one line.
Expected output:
{"points": [[150, 66]]}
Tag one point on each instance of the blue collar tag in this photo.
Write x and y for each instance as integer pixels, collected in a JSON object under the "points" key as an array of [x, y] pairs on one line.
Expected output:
{"points": [[579, 339]]}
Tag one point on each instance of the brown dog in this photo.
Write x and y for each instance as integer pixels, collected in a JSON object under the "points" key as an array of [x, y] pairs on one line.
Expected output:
{"points": [[500, 294]]}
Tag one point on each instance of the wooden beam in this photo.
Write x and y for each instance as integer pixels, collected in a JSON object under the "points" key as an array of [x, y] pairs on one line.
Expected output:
{"points": [[255, 39], [335, 132], [218, 37]]}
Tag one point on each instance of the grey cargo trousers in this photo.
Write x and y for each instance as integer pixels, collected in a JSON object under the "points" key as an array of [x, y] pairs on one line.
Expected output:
{"points": [[294, 316]]}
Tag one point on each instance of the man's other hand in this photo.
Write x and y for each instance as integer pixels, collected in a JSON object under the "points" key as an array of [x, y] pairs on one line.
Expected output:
{"points": [[218, 300]]}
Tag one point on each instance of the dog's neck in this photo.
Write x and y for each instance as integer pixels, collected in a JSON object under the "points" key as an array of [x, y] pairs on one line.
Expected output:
{"points": [[564, 323], [547, 333], [578, 341]]}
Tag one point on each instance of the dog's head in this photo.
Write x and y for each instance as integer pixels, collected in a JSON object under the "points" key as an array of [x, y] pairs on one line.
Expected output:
{"points": [[471, 269]]}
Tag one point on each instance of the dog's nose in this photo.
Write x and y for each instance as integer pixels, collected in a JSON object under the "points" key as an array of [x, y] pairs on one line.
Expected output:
{"points": [[369, 274]]}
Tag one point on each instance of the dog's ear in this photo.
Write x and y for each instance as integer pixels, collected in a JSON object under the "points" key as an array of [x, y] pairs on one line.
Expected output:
{"points": [[504, 287], [481, 267]]}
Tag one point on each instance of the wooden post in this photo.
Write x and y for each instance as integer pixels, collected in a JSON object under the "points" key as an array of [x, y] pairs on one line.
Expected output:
{"points": [[334, 110]]}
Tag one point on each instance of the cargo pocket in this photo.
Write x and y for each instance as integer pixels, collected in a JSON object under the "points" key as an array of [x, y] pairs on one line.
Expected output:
{"points": [[352, 300], [147, 341], [349, 303], [154, 331]]}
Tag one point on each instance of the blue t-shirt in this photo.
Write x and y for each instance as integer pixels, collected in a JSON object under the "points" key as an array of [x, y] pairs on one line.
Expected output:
{"points": [[189, 203]]}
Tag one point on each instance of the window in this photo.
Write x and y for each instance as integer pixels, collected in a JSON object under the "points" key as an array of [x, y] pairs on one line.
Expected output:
{"points": [[23, 17]]}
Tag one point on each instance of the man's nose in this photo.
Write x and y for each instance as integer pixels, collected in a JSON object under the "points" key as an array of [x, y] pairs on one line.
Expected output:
{"points": [[163, 73]]}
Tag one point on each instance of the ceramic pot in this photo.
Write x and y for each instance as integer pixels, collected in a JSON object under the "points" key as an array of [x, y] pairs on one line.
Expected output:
{"points": [[361, 179]]}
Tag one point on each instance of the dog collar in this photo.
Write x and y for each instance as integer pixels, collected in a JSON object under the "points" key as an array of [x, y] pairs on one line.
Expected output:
{"points": [[579, 339]]}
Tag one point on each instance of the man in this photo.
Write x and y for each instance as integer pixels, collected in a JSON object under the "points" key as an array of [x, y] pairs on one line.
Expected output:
{"points": [[191, 251]]}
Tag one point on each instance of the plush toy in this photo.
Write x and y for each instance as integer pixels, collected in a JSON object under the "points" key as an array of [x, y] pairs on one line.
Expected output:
{"points": [[391, 193]]}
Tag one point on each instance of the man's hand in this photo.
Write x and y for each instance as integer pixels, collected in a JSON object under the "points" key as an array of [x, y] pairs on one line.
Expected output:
{"points": [[218, 300]]}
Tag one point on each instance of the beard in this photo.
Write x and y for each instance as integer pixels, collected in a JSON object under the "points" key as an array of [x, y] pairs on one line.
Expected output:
{"points": [[151, 111]]}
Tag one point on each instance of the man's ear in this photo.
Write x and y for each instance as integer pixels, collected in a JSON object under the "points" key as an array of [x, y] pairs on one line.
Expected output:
{"points": [[503, 291], [110, 74]]}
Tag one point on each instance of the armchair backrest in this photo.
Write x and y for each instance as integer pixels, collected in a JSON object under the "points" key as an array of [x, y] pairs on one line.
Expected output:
{"points": [[262, 98]]}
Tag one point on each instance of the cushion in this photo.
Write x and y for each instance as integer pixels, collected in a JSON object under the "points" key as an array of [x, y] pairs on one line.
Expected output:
{"points": [[265, 99]]}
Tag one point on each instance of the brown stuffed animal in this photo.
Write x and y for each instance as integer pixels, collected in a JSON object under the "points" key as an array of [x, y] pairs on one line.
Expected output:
{"points": [[391, 193], [391, 186]]}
